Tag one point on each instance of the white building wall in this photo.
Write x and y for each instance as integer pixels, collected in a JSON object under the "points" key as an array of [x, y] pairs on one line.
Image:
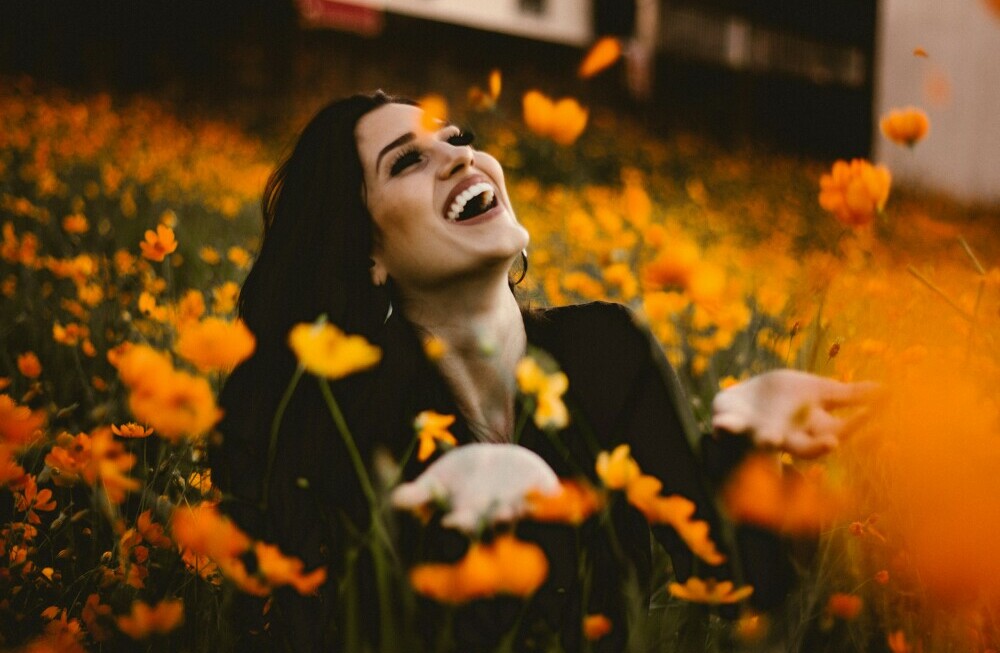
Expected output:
{"points": [[957, 84]]}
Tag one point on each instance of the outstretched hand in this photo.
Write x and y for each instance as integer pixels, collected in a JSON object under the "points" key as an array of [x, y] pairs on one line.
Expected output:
{"points": [[789, 410]]}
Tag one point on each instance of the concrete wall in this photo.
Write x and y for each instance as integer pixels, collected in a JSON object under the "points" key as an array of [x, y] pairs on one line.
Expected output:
{"points": [[957, 84]]}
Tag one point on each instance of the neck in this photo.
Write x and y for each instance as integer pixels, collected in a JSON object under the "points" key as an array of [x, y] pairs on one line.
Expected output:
{"points": [[480, 323]]}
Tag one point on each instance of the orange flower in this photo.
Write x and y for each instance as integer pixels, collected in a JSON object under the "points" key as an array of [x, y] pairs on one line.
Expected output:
{"points": [[209, 255], [604, 53], [91, 459], [882, 577], [709, 591], [854, 192], [19, 425], [144, 621], [596, 626], [905, 126], [215, 345], [131, 430], [844, 606], [431, 428], [617, 469], [278, 569], [31, 499], [758, 493], [29, 365], [204, 531], [562, 121], [325, 350], [158, 244], [11, 474], [897, 642], [94, 613], [507, 566], [478, 99], [674, 265], [575, 502], [75, 223], [643, 493], [150, 531], [435, 112]]}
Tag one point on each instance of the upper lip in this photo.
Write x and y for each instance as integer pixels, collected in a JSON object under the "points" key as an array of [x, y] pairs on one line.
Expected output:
{"points": [[462, 185]]}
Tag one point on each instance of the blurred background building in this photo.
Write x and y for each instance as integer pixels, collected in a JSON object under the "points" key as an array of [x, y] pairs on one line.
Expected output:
{"points": [[805, 76]]}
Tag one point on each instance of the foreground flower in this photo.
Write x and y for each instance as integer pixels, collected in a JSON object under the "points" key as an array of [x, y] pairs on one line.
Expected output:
{"points": [[562, 121], [897, 642], [844, 606], [19, 425], [573, 504], [644, 493], [215, 345], [480, 483], [603, 53], [596, 626], [709, 591], [144, 621], [325, 350], [158, 244], [759, 493], [854, 192], [506, 566], [617, 469], [435, 112], [432, 428], [547, 389], [905, 126], [278, 569]]}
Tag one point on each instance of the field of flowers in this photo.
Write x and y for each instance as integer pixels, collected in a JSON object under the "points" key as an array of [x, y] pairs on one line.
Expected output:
{"points": [[126, 232]]}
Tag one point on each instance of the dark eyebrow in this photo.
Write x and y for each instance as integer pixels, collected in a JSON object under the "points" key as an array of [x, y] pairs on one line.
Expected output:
{"points": [[402, 140]]}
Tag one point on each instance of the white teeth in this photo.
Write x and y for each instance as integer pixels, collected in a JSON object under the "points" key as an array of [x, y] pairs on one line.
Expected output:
{"points": [[482, 188]]}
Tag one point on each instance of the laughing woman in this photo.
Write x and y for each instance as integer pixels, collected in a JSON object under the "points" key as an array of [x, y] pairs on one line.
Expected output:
{"points": [[399, 231]]}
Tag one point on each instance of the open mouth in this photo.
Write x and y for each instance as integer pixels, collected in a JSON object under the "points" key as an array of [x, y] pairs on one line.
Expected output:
{"points": [[471, 202]]}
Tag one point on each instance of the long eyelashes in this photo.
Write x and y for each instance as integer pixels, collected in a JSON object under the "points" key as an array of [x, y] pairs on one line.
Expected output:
{"points": [[411, 155]]}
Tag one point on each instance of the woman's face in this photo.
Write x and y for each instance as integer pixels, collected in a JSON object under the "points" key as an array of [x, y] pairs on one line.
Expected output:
{"points": [[440, 208]]}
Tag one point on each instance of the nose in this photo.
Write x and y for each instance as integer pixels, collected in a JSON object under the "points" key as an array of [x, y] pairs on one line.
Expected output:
{"points": [[457, 158]]}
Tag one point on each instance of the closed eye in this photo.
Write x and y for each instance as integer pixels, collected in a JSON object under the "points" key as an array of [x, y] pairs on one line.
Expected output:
{"points": [[462, 138], [405, 159]]}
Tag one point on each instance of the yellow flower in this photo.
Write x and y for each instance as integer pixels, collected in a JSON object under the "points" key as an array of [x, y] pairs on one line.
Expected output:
{"points": [[562, 121], [238, 256], [431, 428], [224, 297], [325, 350], [548, 389], [435, 348], [709, 591], [905, 126], [604, 53], [209, 255], [215, 345], [158, 244], [617, 469], [854, 192]]}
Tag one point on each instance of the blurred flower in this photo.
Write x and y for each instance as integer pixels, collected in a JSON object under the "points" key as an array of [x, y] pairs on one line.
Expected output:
{"points": [[435, 112], [562, 121], [482, 100], [481, 484], [94, 614], [224, 297], [844, 606], [854, 192], [920, 52], [573, 504], [278, 569], [29, 365], [643, 493], [897, 642], [435, 348], [617, 469], [432, 428], [905, 126], [596, 626], [92, 459], [19, 425], [882, 577], [602, 54], [238, 256], [325, 350], [75, 223], [144, 620], [759, 493], [131, 430], [547, 389], [215, 345], [158, 244], [11, 474], [709, 591], [209, 255], [506, 566]]}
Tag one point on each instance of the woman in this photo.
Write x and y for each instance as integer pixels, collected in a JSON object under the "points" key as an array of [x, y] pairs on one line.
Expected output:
{"points": [[399, 231]]}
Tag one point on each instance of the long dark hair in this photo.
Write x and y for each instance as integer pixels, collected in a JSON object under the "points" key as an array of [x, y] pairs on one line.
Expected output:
{"points": [[317, 239]]}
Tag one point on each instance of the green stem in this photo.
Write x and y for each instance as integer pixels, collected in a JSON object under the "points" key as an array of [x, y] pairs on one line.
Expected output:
{"points": [[272, 446], [927, 282], [527, 408], [352, 450]]}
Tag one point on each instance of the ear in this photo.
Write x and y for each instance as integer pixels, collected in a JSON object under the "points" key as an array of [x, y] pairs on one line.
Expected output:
{"points": [[378, 272]]}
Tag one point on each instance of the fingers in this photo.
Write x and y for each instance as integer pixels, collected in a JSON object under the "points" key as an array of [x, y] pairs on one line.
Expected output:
{"points": [[837, 395], [411, 495], [806, 444], [731, 422]]}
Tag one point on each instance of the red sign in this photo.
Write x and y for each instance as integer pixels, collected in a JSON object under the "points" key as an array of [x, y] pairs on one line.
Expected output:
{"points": [[345, 16]]}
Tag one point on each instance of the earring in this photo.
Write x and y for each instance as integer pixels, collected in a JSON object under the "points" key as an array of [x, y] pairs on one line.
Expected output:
{"points": [[524, 268], [388, 313]]}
